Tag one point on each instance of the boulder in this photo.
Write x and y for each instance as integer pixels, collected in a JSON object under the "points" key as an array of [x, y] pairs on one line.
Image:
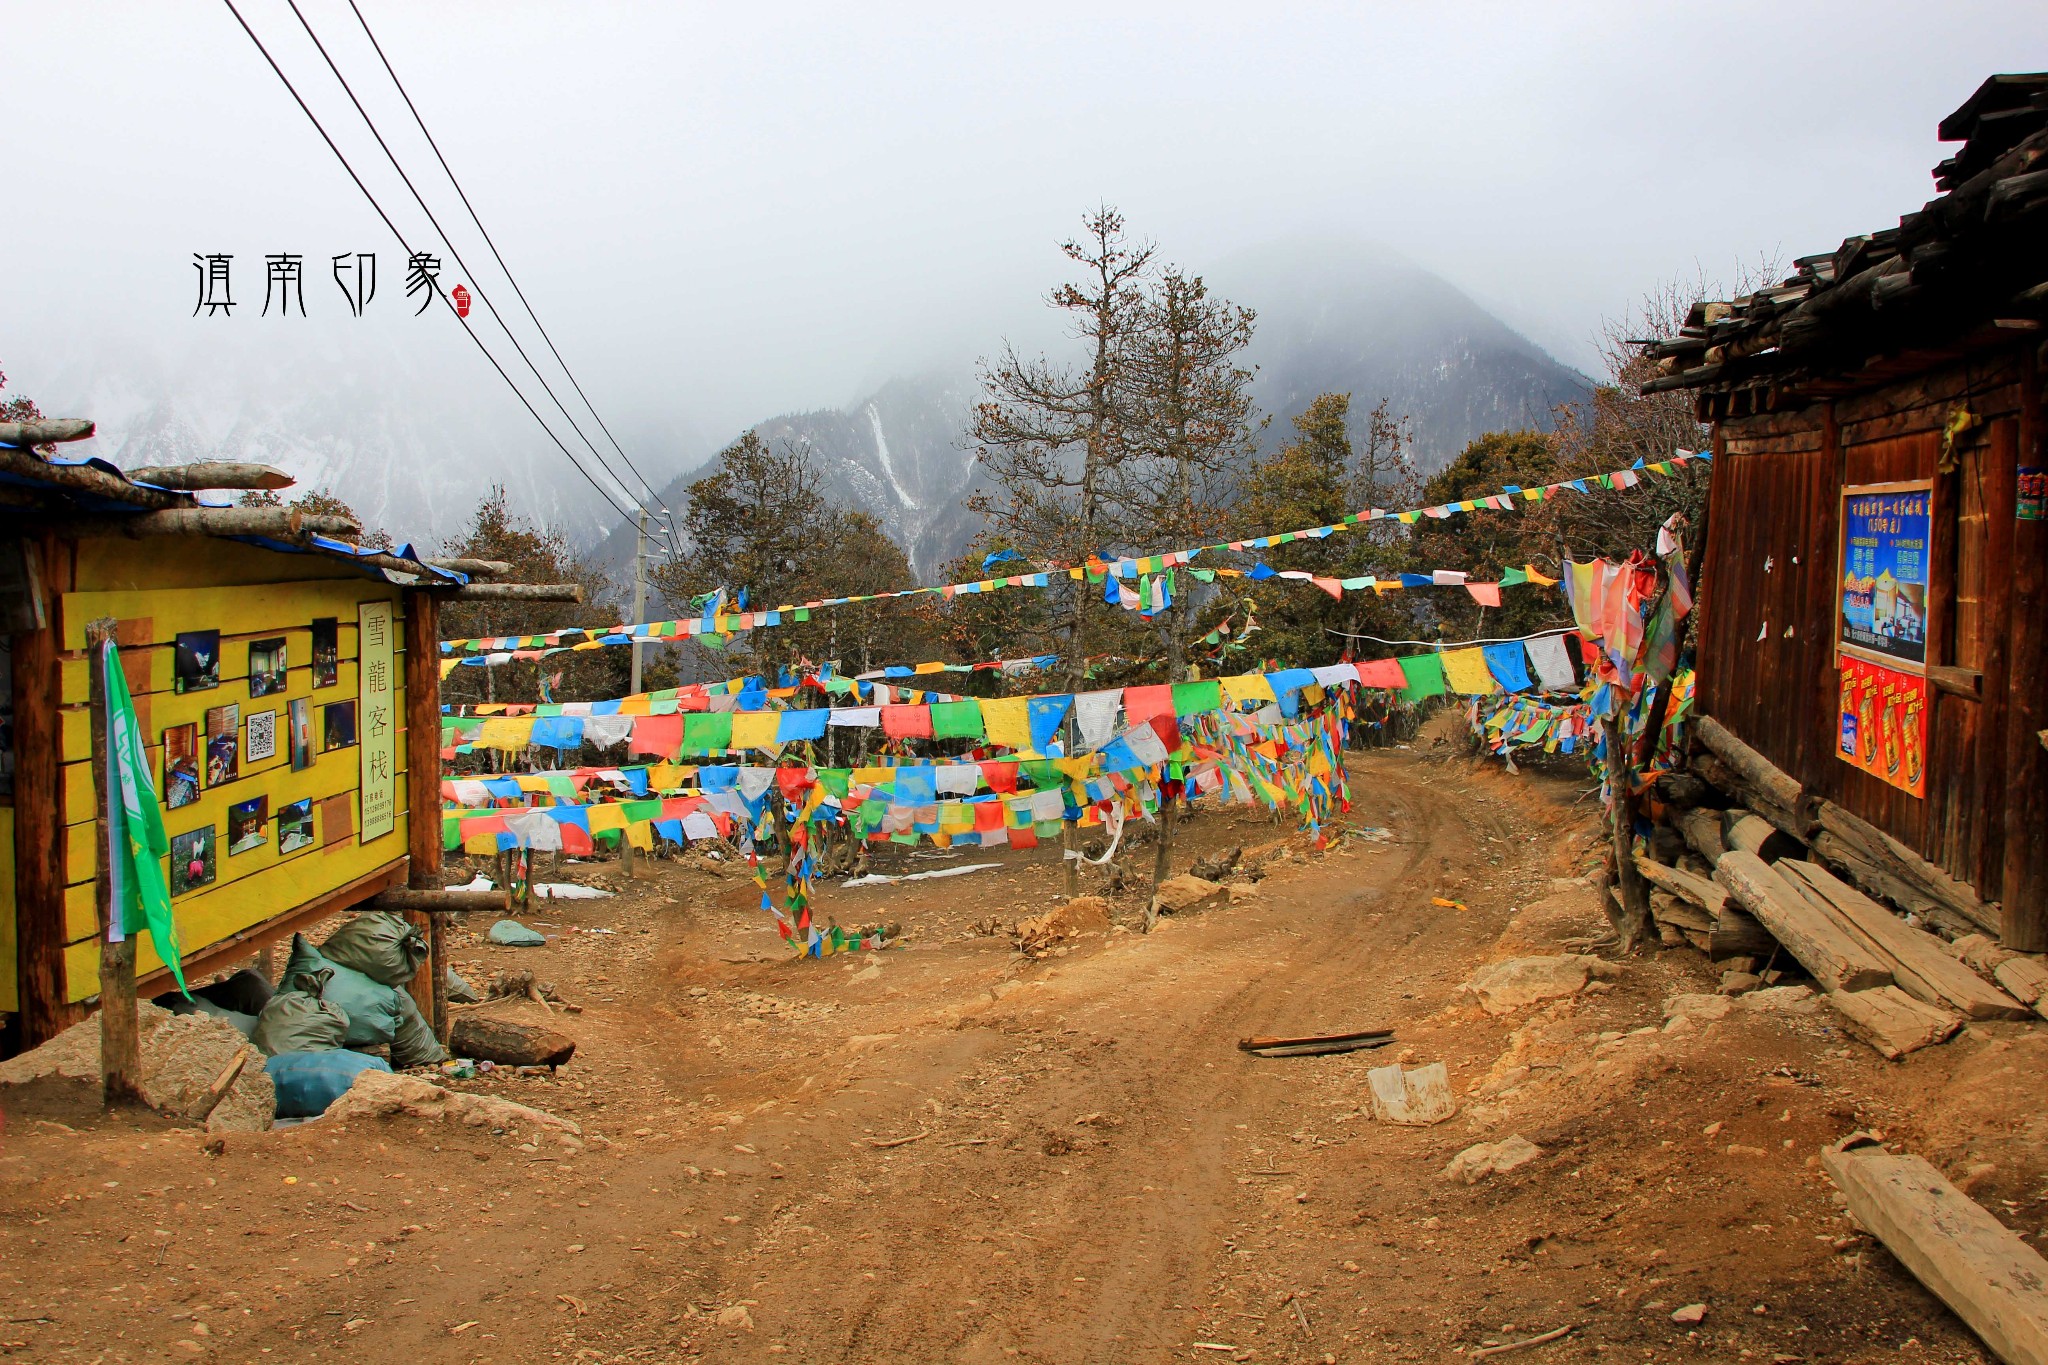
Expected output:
{"points": [[391, 1095], [1178, 895], [1483, 1159], [1698, 1008], [1519, 982]]}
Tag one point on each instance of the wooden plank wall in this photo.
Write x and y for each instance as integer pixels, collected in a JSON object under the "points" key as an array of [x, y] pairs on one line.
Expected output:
{"points": [[1767, 664]]}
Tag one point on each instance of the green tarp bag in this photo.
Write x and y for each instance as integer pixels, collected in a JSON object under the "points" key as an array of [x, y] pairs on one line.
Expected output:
{"points": [[381, 945], [371, 1006]]}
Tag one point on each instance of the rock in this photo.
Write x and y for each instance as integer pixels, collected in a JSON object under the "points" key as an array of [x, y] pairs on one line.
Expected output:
{"points": [[1414, 1098], [1082, 915], [1976, 1175], [1243, 891], [510, 933], [1482, 1159], [1783, 1000], [1699, 1008], [1178, 895], [1739, 983], [388, 1095], [1691, 1313], [736, 1316], [1522, 981]]}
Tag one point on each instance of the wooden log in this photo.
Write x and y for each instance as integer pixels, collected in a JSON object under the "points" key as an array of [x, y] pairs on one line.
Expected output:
{"points": [[1902, 864], [1737, 934], [1827, 951], [508, 1042], [1754, 834], [1702, 830], [475, 568], [428, 901], [1746, 794], [1991, 1279], [1894, 1022], [83, 478], [277, 523], [48, 431], [120, 1028], [422, 664], [39, 825], [1682, 791], [1921, 964], [1878, 882], [213, 474], [1666, 908], [516, 592], [1776, 785], [1709, 896], [2025, 977]]}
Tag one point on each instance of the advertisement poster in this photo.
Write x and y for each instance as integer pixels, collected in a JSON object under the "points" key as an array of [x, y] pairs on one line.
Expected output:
{"points": [[1883, 615], [379, 720], [2033, 494], [1882, 728]]}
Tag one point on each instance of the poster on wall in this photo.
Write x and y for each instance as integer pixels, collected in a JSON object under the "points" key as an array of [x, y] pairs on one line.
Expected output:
{"points": [[266, 667], [326, 652], [1882, 615], [1882, 725], [181, 765], [377, 691], [223, 744], [2033, 494], [262, 736]]}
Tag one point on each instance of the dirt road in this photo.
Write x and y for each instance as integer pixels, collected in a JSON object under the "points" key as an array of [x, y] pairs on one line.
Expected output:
{"points": [[946, 1152]]}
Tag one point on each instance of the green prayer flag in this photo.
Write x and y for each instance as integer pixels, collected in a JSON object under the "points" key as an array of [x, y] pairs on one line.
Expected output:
{"points": [[957, 720], [1197, 698], [707, 731], [1425, 674], [1511, 577], [135, 829]]}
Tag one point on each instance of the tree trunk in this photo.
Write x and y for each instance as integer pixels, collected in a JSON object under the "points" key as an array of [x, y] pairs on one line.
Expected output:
{"points": [[507, 1042]]}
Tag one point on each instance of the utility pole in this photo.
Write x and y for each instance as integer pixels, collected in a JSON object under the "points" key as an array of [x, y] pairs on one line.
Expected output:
{"points": [[639, 589]]}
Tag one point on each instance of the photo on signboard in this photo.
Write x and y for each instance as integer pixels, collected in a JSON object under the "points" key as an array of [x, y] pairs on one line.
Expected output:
{"points": [[295, 826], [181, 765], [299, 714], [266, 666], [326, 652], [191, 860], [262, 731], [337, 725], [223, 744], [247, 822], [196, 662]]}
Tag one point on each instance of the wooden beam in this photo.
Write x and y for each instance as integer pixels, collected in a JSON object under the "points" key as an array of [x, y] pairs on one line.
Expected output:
{"points": [[1894, 1022], [1702, 830], [1972, 1262], [1876, 847], [433, 901], [1709, 896], [39, 873], [1824, 948], [83, 478], [213, 474], [48, 431], [1775, 784], [516, 592], [278, 523], [2023, 889], [475, 568], [423, 797], [1956, 681], [120, 1024]]}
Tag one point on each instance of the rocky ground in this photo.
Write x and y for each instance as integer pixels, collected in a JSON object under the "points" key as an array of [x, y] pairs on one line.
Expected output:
{"points": [[949, 1151]]}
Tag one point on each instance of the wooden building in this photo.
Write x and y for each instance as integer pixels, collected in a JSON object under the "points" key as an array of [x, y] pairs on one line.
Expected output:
{"points": [[1876, 574], [285, 680]]}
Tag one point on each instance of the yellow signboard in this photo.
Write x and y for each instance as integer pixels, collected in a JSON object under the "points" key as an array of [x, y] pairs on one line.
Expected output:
{"points": [[379, 721]]}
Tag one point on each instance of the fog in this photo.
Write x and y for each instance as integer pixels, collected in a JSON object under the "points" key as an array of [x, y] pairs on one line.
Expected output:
{"points": [[722, 212]]}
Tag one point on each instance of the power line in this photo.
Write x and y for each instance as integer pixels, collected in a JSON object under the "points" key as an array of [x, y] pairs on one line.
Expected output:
{"points": [[392, 157], [436, 284], [464, 196]]}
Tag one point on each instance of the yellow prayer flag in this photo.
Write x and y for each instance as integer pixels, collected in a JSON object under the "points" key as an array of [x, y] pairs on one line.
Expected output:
{"points": [[1008, 721], [1465, 671], [755, 730], [603, 818], [1536, 576], [1244, 687], [510, 735]]}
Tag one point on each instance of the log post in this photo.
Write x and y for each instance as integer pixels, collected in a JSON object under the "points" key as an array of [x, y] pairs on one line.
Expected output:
{"points": [[39, 873], [1636, 924], [1162, 861], [2024, 886], [429, 987], [120, 1035], [1070, 854]]}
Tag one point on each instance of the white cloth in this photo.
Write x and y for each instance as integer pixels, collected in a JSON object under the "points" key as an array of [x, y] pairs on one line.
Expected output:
{"points": [[535, 830], [1145, 744], [957, 779], [1095, 713], [1553, 665], [1047, 805], [855, 715], [470, 792], [698, 825], [723, 702], [754, 782], [1335, 675], [729, 803], [605, 731]]}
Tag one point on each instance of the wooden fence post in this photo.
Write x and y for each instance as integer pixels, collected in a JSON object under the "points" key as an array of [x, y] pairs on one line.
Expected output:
{"points": [[120, 1028]]}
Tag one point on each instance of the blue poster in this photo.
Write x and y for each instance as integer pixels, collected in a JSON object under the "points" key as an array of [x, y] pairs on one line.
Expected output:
{"points": [[1884, 572]]}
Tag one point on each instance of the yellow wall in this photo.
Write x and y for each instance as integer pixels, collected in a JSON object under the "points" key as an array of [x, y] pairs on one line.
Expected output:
{"points": [[159, 589]]}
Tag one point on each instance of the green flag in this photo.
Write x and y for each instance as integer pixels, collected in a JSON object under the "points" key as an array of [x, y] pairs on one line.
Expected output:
{"points": [[135, 829]]}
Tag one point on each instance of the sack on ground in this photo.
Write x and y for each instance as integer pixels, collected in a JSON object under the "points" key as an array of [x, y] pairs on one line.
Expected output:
{"points": [[307, 1082], [414, 1044], [295, 1021], [380, 945], [371, 1007]]}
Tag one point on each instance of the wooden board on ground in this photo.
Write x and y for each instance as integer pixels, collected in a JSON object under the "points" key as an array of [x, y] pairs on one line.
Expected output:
{"points": [[1837, 960], [1737, 934], [1894, 1022], [1991, 1279], [2025, 977], [1666, 908], [1703, 892], [1923, 968]]}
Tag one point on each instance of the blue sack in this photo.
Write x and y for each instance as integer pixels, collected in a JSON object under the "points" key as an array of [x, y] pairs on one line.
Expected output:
{"points": [[307, 1082]]}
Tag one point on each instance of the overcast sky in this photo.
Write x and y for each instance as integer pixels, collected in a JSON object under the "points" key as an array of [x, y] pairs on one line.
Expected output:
{"points": [[727, 211]]}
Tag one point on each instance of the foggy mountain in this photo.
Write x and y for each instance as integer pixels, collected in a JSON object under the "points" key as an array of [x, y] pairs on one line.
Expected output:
{"points": [[1330, 319]]}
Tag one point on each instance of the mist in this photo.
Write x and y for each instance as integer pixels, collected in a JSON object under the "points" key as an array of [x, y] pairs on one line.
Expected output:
{"points": [[722, 213]]}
